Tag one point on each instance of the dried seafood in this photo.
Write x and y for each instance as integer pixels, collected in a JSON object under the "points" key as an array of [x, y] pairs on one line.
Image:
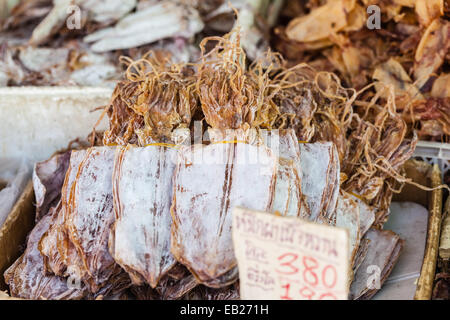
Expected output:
{"points": [[320, 180], [26, 277], [156, 99], [209, 181], [348, 217], [288, 200], [89, 35], [142, 188], [167, 19], [409, 51], [89, 219], [383, 252], [48, 179], [57, 250], [343, 171]]}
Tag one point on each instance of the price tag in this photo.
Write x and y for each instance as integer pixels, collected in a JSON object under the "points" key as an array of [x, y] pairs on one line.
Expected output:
{"points": [[289, 258]]}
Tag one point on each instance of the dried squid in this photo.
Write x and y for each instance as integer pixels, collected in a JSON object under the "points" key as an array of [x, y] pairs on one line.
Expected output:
{"points": [[89, 220], [27, 278], [209, 181], [142, 189]]}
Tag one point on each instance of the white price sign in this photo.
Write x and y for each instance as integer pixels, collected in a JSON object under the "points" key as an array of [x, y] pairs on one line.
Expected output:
{"points": [[289, 258]]}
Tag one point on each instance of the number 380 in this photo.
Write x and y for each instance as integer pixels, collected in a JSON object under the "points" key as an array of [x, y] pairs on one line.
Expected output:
{"points": [[310, 271]]}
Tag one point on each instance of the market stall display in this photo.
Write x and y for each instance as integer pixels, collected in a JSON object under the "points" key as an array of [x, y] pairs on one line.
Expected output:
{"points": [[144, 208], [151, 109]]}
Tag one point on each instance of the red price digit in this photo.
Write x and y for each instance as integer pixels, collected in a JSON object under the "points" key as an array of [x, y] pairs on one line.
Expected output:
{"points": [[309, 275], [287, 265], [307, 293], [286, 295], [327, 296], [329, 270]]}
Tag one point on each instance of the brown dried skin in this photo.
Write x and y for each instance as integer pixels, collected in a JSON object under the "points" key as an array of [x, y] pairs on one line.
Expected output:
{"points": [[225, 91], [414, 35], [27, 278], [177, 284], [57, 250], [205, 293], [393, 73], [173, 289], [25, 12], [48, 178], [383, 252], [321, 22], [432, 49], [428, 10], [155, 99]]}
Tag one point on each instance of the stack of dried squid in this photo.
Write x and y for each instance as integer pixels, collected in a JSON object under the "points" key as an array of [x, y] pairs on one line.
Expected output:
{"points": [[406, 47], [148, 214]]}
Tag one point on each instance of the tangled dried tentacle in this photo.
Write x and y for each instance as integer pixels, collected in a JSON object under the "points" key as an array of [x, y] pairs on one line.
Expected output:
{"points": [[156, 98]]}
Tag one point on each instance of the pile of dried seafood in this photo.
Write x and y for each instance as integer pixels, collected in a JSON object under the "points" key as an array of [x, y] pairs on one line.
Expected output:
{"points": [[148, 216], [76, 42], [410, 52]]}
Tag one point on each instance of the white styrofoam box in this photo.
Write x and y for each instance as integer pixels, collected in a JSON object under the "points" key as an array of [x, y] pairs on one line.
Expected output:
{"points": [[37, 121]]}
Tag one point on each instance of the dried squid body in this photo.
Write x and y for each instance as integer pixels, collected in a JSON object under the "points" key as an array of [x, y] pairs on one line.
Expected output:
{"points": [[143, 188], [209, 181], [48, 178], [90, 217], [55, 247], [320, 180], [347, 217], [288, 197], [383, 252], [27, 278]]}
